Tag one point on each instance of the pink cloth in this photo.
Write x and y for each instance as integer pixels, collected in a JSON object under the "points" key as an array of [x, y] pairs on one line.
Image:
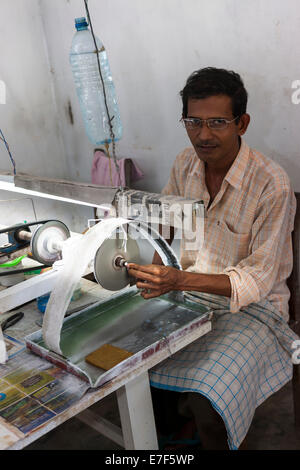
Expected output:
{"points": [[101, 171]]}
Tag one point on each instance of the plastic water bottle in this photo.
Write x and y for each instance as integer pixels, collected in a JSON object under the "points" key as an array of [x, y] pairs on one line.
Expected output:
{"points": [[89, 87]]}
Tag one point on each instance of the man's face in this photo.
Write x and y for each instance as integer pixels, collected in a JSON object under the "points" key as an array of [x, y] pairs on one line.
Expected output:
{"points": [[217, 147]]}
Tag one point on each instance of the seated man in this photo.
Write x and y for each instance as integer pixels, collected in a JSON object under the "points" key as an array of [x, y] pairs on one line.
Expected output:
{"points": [[240, 272]]}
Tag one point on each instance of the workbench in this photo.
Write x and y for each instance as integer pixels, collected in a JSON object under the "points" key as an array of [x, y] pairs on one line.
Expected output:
{"points": [[40, 396]]}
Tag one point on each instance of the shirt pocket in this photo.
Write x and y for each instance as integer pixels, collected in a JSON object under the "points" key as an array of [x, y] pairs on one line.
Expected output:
{"points": [[235, 245]]}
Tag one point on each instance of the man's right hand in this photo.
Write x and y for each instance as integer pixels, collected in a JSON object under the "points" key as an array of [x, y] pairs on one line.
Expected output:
{"points": [[157, 259]]}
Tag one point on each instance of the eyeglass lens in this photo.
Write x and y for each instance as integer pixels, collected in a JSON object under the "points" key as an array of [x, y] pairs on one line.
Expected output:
{"points": [[212, 123]]}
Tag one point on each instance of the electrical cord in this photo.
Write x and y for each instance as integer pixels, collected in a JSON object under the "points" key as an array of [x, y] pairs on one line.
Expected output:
{"points": [[24, 270], [112, 135], [9, 153]]}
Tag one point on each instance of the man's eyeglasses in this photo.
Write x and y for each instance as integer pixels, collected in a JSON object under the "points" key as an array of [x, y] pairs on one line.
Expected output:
{"points": [[212, 123]]}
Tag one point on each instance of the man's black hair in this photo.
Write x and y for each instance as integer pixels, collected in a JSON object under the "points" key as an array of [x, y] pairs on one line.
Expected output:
{"points": [[211, 81]]}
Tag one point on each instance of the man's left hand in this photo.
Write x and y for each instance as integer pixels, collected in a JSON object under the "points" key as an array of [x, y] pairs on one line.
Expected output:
{"points": [[154, 280]]}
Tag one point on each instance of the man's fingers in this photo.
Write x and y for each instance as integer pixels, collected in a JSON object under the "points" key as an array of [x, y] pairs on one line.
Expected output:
{"points": [[147, 285], [141, 275], [147, 268], [151, 295]]}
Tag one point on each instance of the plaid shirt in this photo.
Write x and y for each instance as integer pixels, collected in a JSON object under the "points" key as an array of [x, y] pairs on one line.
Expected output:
{"points": [[248, 227], [246, 357]]}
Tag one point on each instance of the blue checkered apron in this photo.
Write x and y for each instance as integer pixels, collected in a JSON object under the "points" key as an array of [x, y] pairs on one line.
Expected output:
{"points": [[239, 364]]}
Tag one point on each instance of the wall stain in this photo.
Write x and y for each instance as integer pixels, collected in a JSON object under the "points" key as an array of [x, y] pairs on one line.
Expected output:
{"points": [[70, 112]]}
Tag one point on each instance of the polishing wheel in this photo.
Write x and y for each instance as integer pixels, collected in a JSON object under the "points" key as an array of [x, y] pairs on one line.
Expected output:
{"points": [[39, 244], [109, 268]]}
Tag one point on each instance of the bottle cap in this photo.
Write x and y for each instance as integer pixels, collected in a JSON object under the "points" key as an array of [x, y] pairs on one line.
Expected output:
{"points": [[81, 23]]}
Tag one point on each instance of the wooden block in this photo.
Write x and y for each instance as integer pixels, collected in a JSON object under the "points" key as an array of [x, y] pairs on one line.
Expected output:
{"points": [[107, 356]]}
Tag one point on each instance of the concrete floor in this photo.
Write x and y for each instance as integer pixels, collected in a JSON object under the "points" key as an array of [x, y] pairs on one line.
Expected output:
{"points": [[272, 428]]}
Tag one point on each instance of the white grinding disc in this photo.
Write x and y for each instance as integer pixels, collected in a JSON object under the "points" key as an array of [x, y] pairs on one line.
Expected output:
{"points": [[107, 274]]}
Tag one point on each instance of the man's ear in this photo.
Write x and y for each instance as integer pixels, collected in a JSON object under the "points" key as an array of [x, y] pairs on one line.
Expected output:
{"points": [[243, 123]]}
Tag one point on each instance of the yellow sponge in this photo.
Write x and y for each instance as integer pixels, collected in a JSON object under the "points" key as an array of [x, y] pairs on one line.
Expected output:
{"points": [[107, 356]]}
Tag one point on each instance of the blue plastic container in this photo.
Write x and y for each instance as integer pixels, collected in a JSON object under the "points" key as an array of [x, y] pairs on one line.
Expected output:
{"points": [[42, 301]]}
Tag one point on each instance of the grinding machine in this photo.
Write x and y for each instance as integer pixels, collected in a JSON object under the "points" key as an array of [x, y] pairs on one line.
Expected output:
{"points": [[125, 319]]}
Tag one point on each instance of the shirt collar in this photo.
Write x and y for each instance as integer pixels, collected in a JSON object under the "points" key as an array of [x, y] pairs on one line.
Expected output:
{"points": [[236, 172]]}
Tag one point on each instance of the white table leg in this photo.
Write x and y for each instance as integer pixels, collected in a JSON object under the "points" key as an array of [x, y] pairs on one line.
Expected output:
{"points": [[136, 412]]}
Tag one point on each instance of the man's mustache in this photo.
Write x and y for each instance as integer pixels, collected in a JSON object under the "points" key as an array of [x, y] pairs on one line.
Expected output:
{"points": [[206, 143]]}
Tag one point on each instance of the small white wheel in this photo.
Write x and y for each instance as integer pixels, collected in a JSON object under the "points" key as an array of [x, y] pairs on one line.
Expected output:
{"points": [[55, 230]]}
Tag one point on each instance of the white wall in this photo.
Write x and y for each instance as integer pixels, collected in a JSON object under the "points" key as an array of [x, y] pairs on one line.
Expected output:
{"points": [[17, 208], [152, 47], [29, 117]]}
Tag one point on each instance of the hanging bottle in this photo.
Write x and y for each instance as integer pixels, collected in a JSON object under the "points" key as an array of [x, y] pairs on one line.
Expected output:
{"points": [[89, 86]]}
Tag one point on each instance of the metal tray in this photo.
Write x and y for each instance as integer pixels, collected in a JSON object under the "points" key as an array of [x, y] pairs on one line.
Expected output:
{"points": [[127, 321]]}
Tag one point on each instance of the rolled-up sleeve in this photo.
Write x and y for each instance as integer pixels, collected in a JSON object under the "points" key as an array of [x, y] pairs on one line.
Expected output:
{"points": [[253, 278]]}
